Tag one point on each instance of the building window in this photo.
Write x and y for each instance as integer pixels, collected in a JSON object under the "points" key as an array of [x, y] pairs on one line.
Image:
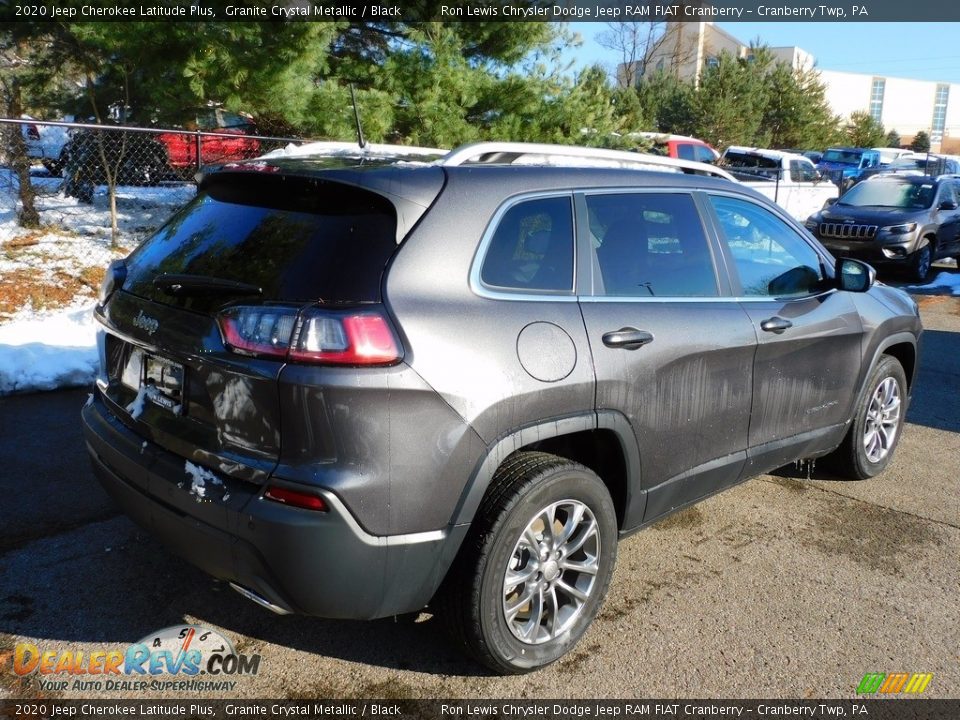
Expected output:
{"points": [[713, 61], [876, 98], [939, 112]]}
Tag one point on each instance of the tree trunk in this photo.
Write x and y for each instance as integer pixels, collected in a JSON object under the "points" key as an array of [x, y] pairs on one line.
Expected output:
{"points": [[28, 216]]}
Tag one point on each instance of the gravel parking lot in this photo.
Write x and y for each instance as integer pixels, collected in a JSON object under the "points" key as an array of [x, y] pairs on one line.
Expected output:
{"points": [[782, 587]]}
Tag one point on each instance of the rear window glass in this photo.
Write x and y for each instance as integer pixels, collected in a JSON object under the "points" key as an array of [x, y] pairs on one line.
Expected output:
{"points": [[532, 248], [297, 239], [751, 163]]}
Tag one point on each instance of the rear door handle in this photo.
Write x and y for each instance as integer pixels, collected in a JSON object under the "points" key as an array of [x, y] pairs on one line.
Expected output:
{"points": [[628, 338], [775, 324]]}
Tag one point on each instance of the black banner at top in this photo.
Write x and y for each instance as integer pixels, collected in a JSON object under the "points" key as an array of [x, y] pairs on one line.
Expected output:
{"points": [[477, 10]]}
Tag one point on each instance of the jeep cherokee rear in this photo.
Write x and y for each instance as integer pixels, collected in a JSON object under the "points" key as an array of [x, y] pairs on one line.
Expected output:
{"points": [[353, 391]]}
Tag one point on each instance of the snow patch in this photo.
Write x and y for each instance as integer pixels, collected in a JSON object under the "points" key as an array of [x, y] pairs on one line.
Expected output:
{"points": [[945, 283], [200, 477], [346, 149], [47, 351]]}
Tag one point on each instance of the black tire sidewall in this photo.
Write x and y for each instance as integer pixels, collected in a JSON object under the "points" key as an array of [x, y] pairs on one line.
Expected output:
{"points": [[887, 367], [566, 483], [916, 269]]}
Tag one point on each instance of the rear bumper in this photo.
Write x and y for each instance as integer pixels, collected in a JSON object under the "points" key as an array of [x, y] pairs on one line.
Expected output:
{"points": [[302, 561]]}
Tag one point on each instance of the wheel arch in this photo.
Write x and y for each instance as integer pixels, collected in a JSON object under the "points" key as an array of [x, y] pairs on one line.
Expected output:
{"points": [[603, 442], [928, 237], [903, 347]]}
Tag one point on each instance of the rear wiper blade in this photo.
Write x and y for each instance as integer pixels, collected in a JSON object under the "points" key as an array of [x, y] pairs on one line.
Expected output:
{"points": [[175, 284]]}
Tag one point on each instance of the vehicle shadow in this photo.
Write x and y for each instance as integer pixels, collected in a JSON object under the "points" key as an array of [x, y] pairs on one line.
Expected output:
{"points": [[936, 392], [127, 587], [74, 570], [147, 589]]}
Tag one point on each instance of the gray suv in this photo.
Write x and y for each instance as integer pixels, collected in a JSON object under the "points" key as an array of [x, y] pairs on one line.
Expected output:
{"points": [[906, 221], [358, 389]]}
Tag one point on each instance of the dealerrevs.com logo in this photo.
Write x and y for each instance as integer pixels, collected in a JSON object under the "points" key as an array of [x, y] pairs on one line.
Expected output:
{"points": [[181, 657]]}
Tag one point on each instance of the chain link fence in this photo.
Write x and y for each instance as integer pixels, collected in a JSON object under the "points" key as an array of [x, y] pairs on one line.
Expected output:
{"points": [[101, 178]]}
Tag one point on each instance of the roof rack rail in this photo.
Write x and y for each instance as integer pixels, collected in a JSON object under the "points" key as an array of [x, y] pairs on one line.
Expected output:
{"points": [[507, 153]]}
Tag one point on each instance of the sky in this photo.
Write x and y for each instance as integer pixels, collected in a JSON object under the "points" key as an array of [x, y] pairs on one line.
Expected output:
{"points": [[921, 51]]}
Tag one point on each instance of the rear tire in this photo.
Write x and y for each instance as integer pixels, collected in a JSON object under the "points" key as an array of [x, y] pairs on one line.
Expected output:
{"points": [[875, 432], [523, 591]]}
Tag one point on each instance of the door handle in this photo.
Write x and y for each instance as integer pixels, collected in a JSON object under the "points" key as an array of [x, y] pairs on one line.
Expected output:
{"points": [[628, 338], [775, 324]]}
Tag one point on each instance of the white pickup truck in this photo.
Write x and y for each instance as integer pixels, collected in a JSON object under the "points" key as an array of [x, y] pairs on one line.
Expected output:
{"points": [[789, 180]]}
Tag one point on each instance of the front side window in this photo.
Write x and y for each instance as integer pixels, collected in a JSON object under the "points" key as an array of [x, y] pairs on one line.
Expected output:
{"points": [[532, 247], [650, 245], [771, 258], [946, 193]]}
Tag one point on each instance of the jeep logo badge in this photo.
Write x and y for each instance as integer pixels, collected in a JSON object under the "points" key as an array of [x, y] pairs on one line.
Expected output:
{"points": [[145, 322]]}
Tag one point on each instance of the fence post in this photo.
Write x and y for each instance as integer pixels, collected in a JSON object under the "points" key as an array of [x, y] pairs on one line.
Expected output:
{"points": [[198, 144]]}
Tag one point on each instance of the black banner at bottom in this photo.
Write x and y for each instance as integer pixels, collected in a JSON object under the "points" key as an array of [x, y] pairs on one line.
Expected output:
{"points": [[867, 709]]}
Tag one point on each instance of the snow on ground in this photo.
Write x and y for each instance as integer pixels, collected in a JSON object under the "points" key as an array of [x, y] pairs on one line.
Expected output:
{"points": [[52, 344], [946, 282], [140, 210], [48, 351]]}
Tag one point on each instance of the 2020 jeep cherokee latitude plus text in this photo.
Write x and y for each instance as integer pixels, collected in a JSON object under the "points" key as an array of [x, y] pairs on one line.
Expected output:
{"points": [[356, 390]]}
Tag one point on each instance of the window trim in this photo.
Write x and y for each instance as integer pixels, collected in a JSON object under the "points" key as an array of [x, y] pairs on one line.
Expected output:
{"points": [[826, 259], [497, 292]]}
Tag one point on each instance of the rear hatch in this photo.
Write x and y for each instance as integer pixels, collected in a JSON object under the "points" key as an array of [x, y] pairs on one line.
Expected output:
{"points": [[266, 244]]}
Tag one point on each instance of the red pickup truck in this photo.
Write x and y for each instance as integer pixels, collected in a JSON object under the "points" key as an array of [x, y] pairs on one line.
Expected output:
{"points": [[231, 138]]}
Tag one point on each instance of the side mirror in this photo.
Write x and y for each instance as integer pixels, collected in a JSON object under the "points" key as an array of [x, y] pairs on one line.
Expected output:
{"points": [[854, 275], [829, 201], [947, 205]]}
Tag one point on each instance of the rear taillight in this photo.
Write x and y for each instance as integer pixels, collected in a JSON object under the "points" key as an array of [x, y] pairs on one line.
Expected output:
{"points": [[295, 498], [258, 330], [113, 279], [313, 335]]}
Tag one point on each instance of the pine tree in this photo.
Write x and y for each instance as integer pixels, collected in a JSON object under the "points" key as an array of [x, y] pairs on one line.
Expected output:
{"points": [[864, 130], [797, 114], [921, 142]]}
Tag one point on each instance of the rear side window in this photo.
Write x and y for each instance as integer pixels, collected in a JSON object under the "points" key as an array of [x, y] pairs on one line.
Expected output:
{"points": [[651, 245], [532, 247], [298, 240], [686, 151]]}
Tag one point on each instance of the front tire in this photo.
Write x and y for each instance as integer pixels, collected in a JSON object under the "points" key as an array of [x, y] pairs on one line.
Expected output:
{"points": [[920, 265], [536, 565], [875, 433]]}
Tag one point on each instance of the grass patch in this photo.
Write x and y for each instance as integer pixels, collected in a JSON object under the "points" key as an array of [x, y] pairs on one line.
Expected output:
{"points": [[34, 288]]}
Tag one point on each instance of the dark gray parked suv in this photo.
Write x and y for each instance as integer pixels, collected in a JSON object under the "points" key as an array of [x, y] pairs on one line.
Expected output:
{"points": [[908, 221], [360, 389]]}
